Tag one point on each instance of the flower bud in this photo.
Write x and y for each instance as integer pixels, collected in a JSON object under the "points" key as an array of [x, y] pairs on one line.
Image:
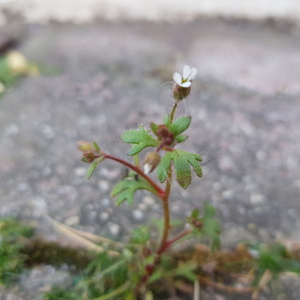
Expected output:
{"points": [[89, 156], [166, 136], [84, 146], [152, 159], [180, 92]]}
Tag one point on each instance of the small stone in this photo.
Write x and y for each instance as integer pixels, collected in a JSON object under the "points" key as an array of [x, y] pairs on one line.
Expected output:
{"points": [[110, 173], [89, 207], [261, 155], [80, 171], [22, 187], [257, 199], [228, 194], [11, 130], [114, 229], [138, 215], [47, 131], [105, 202], [92, 215], [103, 185], [72, 221], [217, 186], [104, 216], [148, 200], [142, 206]]}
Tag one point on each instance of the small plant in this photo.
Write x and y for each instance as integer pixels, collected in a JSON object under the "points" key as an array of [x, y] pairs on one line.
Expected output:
{"points": [[146, 257], [14, 65], [12, 258], [143, 268]]}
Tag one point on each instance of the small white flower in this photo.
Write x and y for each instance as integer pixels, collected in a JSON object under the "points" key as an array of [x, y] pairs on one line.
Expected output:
{"points": [[187, 77]]}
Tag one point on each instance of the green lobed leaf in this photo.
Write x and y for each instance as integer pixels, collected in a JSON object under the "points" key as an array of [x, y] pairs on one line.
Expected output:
{"points": [[181, 138], [140, 139], [182, 161], [187, 270], [125, 189], [180, 125], [140, 235]]}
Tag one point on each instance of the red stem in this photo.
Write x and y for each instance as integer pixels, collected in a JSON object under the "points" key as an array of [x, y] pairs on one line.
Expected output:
{"points": [[160, 192], [166, 214], [177, 238]]}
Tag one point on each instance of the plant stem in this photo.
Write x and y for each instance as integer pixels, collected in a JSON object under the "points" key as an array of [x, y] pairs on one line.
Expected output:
{"points": [[173, 112], [160, 192], [123, 288], [166, 213], [181, 235], [136, 160]]}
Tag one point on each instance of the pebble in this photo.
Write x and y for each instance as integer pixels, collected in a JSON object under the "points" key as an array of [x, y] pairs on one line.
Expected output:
{"points": [[110, 173], [226, 163], [80, 171], [11, 130], [257, 199], [89, 207], [104, 202], [114, 229], [38, 207], [47, 131], [92, 215], [142, 206], [103, 185], [228, 194], [22, 187], [217, 186], [104, 216], [72, 221], [148, 200], [138, 215]]}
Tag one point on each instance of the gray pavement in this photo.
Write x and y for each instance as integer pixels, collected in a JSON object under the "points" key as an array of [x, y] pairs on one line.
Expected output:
{"points": [[245, 109]]}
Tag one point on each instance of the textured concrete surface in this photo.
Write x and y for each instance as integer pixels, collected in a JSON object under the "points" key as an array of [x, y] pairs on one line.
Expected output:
{"points": [[82, 11], [245, 109]]}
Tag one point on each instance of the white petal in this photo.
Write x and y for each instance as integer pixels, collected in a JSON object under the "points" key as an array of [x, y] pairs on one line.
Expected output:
{"points": [[147, 168], [192, 74], [186, 84], [177, 78], [186, 72]]}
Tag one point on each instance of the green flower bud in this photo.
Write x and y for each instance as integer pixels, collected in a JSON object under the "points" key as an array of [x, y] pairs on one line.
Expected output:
{"points": [[84, 146]]}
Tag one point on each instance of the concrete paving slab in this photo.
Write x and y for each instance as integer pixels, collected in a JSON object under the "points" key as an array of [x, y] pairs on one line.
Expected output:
{"points": [[245, 109]]}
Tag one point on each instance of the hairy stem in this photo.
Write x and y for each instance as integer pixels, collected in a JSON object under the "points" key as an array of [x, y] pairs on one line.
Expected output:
{"points": [[173, 112], [160, 192], [166, 213], [136, 160]]}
